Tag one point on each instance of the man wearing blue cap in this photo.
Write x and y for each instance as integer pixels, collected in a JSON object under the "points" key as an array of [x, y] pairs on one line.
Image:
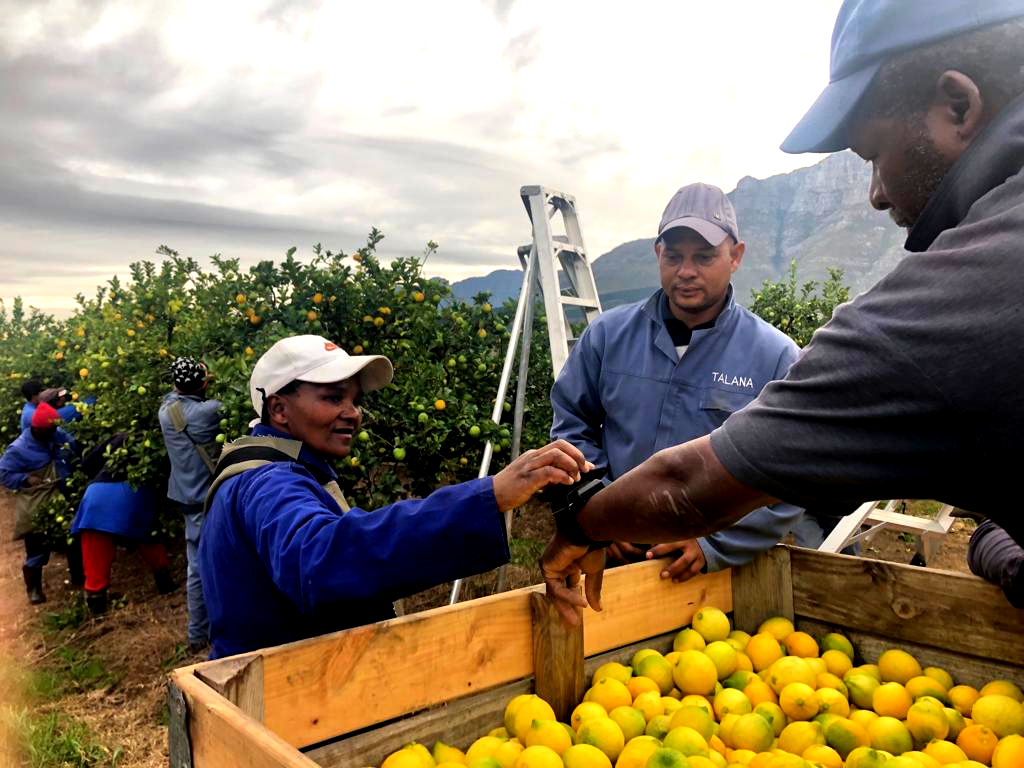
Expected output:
{"points": [[673, 367], [913, 389]]}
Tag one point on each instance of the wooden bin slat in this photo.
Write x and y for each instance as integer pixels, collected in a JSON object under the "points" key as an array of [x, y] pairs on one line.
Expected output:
{"points": [[316, 689], [951, 611]]}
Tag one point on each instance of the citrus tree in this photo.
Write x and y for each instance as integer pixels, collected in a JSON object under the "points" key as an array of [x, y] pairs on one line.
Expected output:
{"points": [[425, 429], [798, 310]]}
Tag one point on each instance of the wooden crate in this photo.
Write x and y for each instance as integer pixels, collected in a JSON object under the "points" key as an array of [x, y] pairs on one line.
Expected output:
{"points": [[348, 699]]}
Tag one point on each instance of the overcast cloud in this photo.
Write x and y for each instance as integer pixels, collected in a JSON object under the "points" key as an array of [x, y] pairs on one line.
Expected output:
{"points": [[244, 128]]}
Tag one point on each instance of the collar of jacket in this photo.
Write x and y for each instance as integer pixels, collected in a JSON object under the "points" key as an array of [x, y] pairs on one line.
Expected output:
{"points": [[306, 456], [662, 340], [996, 155]]}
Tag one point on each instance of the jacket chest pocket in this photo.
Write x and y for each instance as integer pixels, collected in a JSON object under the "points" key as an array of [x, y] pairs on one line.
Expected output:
{"points": [[718, 404]]}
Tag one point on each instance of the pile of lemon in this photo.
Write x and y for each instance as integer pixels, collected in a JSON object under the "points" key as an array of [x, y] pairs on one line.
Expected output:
{"points": [[777, 699]]}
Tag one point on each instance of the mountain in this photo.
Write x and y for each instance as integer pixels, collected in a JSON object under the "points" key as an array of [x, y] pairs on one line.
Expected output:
{"points": [[818, 216]]}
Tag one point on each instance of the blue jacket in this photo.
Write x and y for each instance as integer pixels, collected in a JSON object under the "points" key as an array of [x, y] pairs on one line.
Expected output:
{"points": [[26, 455], [624, 395], [190, 478], [280, 561], [68, 413]]}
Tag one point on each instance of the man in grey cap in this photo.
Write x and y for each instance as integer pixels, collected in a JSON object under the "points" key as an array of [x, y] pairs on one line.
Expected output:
{"points": [[674, 367], [913, 390]]}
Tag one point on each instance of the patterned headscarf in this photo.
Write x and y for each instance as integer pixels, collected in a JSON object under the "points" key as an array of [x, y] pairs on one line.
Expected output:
{"points": [[189, 375]]}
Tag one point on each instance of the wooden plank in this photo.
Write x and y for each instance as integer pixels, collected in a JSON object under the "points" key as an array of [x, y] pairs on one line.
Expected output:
{"points": [[951, 611], [179, 747], [967, 669], [557, 657], [222, 736], [846, 528], [761, 589], [321, 688], [637, 603], [239, 680], [459, 723]]}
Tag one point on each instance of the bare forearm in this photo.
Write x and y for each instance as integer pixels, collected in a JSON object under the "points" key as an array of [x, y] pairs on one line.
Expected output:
{"points": [[679, 493]]}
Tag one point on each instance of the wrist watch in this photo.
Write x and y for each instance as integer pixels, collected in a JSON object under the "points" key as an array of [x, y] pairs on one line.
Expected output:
{"points": [[565, 514]]}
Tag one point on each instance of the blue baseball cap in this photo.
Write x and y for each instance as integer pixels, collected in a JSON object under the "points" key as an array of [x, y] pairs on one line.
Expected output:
{"points": [[867, 34]]}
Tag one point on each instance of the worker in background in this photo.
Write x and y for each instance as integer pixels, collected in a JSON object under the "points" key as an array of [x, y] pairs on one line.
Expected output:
{"points": [[673, 367], [283, 555], [912, 390]]}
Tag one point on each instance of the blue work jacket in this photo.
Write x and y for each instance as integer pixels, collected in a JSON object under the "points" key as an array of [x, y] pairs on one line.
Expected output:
{"points": [[26, 455], [624, 394], [280, 561], [190, 478]]}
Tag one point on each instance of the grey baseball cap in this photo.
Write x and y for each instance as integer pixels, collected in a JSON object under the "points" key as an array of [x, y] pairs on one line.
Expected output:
{"points": [[703, 208], [866, 35]]}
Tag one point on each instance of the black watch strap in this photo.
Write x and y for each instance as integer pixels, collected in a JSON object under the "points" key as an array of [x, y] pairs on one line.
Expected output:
{"points": [[566, 521]]}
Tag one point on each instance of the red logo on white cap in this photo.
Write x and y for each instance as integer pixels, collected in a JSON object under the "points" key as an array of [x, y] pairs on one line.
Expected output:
{"points": [[329, 346]]}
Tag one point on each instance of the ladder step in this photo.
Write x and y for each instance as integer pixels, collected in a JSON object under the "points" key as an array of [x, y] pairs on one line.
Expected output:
{"points": [[568, 248], [575, 301]]}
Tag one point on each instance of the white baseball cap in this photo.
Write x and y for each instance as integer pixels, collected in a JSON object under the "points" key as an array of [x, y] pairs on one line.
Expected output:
{"points": [[316, 360]]}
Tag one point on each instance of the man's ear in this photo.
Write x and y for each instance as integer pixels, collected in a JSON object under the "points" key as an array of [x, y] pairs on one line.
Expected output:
{"points": [[736, 252], [958, 110], [277, 408]]}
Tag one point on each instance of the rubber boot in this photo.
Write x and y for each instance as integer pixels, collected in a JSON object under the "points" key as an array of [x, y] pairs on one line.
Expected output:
{"points": [[34, 584], [165, 583], [74, 555], [96, 602]]}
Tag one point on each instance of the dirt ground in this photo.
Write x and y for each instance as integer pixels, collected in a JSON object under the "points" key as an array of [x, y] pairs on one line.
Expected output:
{"points": [[142, 638]]}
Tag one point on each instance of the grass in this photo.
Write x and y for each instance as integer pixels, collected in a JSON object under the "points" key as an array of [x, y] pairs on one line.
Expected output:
{"points": [[71, 616], [57, 741], [525, 551]]}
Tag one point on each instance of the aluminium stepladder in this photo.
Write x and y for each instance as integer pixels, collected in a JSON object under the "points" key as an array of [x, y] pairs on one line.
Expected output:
{"points": [[541, 261]]}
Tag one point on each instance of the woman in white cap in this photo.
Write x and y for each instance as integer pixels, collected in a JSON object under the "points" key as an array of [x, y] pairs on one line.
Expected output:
{"points": [[282, 555]]}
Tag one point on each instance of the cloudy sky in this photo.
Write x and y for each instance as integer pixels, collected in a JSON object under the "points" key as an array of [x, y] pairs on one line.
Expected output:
{"points": [[243, 128]]}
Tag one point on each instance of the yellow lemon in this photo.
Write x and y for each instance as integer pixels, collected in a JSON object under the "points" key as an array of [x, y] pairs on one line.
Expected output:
{"points": [[890, 734], [903, 761], [530, 709], [823, 755], [725, 729], [585, 756], [923, 685], [751, 731], [547, 733], [631, 720], [693, 700], [688, 639], [740, 757], [864, 757], [863, 716], [671, 704], [538, 757], [443, 753], [585, 711], [834, 641], [779, 626], [696, 718], [663, 757], [485, 746], [962, 697], [687, 741], [717, 745], [713, 760], [649, 704], [603, 733], [773, 714], [609, 693], [1001, 713], [639, 684], [636, 753], [801, 644], [695, 673], [457, 765], [501, 732], [404, 758], [724, 657], [978, 742], [1009, 752], [944, 751], [739, 679], [798, 736], [711, 623], [898, 666], [941, 676], [729, 701], [507, 754], [926, 720], [956, 721], [743, 661], [642, 654], [798, 701], [614, 670], [892, 700], [844, 736], [422, 751], [657, 669], [791, 669], [758, 691], [861, 688], [658, 726], [836, 662], [510, 711], [739, 636], [831, 701], [926, 761], [1004, 688], [828, 680], [763, 649]]}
